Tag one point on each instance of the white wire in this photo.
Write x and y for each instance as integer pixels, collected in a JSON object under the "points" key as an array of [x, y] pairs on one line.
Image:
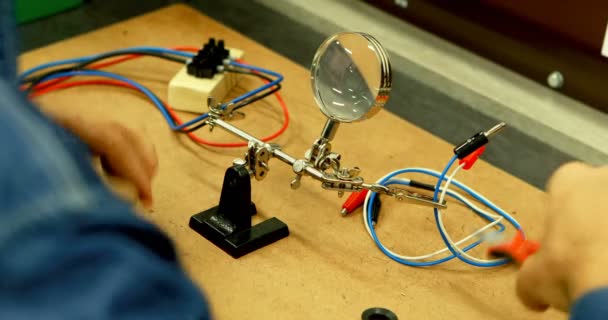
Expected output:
{"points": [[447, 236], [444, 250]]}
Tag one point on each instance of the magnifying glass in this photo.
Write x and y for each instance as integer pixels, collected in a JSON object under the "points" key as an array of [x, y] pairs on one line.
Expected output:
{"points": [[351, 79]]}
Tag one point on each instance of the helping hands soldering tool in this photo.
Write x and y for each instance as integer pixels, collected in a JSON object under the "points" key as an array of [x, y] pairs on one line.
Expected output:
{"points": [[344, 93]]}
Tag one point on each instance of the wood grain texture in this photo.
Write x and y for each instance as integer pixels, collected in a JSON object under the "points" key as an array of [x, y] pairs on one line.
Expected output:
{"points": [[328, 268]]}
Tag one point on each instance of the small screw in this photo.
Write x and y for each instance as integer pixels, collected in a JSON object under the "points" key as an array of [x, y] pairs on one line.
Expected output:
{"points": [[401, 3], [555, 80], [299, 166], [343, 173], [340, 194], [295, 183], [239, 162]]}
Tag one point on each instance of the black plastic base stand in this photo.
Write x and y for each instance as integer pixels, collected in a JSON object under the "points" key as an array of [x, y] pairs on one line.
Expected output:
{"points": [[228, 225]]}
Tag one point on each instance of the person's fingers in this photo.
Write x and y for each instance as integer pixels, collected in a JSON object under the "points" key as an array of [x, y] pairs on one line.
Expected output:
{"points": [[121, 167], [123, 152], [530, 283], [126, 155], [148, 159], [541, 281], [147, 152], [566, 176], [123, 188]]}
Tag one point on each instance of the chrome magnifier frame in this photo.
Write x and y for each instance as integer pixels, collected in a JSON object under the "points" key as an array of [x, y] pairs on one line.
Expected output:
{"points": [[381, 89]]}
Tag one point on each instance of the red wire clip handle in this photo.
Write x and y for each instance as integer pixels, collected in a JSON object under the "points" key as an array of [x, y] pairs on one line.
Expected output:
{"points": [[470, 160], [354, 201], [518, 249]]}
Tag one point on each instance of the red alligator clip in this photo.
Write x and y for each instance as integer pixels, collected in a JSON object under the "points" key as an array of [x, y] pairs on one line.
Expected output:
{"points": [[354, 201], [518, 249]]}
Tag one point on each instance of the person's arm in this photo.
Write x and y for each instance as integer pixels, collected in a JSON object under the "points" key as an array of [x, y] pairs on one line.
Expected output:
{"points": [[69, 249], [570, 271], [591, 306]]}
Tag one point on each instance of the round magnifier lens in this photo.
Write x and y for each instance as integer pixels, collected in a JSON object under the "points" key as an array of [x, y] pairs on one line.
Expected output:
{"points": [[351, 76]]}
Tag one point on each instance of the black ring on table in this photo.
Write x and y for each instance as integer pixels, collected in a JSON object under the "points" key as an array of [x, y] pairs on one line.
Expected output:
{"points": [[378, 314]]}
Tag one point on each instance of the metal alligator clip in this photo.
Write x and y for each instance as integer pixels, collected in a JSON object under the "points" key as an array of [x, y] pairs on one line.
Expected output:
{"points": [[407, 195]]}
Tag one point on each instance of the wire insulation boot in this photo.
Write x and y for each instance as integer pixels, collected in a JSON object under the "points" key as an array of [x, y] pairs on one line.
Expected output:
{"points": [[470, 160], [477, 141], [376, 210]]}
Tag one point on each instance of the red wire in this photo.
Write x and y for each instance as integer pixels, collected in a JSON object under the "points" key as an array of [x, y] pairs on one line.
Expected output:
{"points": [[57, 86]]}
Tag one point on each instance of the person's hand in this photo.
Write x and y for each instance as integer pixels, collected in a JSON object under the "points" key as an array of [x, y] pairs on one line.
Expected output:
{"points": [[572, 259], [123, 152]]}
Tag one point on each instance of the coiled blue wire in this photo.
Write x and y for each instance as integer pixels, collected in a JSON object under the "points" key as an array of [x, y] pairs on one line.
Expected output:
{"points": [[441, 177], [443, 235]]}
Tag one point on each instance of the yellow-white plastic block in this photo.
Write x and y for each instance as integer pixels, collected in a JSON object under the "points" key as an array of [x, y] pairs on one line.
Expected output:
{"points": [[188, 93]]}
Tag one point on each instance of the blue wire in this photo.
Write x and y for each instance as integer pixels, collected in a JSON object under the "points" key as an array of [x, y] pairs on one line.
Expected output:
{"points": [[398, 259], [28, 72], [271, 84], [444, 236], [144, 90], [387, 180], [442, 177], [150, 95], [158, 103]]}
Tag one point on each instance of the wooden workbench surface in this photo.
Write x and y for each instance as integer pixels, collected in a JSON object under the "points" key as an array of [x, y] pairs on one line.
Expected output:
{"points": [[328, 268]]}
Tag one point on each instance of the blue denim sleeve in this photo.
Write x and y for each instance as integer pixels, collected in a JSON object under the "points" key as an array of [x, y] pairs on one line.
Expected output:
{"points": [[8, 43], [69, 249], [591, 306]]}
